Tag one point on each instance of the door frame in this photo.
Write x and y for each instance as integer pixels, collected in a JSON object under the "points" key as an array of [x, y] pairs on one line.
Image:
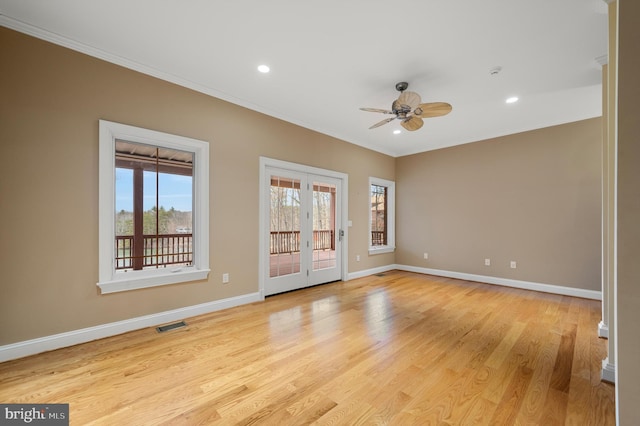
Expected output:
{"points": [[263, 211]]}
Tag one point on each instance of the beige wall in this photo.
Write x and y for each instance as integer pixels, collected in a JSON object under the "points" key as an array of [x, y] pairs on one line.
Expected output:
{"points": [[628, 216], [51, 99], [528, 197], [532, 197]]}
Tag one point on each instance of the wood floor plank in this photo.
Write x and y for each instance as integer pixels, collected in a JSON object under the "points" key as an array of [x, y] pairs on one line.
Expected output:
{"points": [[555, 408], [561, 376], [399, 349], [602, 407], [506, 345], [536, 395], [513, 397]]}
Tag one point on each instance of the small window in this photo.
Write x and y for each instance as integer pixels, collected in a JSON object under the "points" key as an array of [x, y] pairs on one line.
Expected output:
{"points": [[382, 216], [153, 218]]}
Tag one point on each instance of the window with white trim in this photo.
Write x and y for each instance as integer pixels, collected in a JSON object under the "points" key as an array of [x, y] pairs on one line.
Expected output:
{"points": [[381, 216], [153, 218]]}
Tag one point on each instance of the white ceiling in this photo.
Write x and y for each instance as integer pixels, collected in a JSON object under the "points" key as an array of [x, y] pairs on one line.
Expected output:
{"points": [[329, 58]]}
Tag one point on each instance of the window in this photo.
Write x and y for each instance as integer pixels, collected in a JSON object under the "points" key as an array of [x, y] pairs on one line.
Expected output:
{"points": [[382, 216], [150, 183], [154, 223]]}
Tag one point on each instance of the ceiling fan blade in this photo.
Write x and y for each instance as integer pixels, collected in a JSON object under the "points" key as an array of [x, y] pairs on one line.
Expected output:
{"points": [[384, 111], [432, 109], [380, 123], [413, 123], [409, 98]]}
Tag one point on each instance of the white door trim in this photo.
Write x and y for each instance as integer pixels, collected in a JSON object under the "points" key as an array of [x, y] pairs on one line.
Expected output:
{"points": [[264, 205]]}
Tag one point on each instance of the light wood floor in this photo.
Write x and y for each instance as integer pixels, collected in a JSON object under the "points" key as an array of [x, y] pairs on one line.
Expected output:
{"points": [[399, 349]]}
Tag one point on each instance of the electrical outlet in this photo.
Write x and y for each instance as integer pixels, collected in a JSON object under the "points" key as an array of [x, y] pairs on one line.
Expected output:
{"points": [[225, 278], [513, 264], [357, 258], [426, 255], [487, 262]]}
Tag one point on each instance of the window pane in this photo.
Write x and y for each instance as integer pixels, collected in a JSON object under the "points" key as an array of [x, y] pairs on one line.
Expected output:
{"points": [[124, 202], [175, 195], [154, 190], [378, 215], [124, 218], [149, 202]]}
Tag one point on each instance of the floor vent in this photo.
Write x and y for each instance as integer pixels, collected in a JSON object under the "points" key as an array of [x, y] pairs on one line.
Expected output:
{"points": [[380, 275], [168, 327]]}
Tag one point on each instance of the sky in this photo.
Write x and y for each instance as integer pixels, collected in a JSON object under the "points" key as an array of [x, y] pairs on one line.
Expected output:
{"points": [[174, 191]]}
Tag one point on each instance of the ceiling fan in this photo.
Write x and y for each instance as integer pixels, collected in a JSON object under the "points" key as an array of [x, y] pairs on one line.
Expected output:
{"points": [[409, 109]]}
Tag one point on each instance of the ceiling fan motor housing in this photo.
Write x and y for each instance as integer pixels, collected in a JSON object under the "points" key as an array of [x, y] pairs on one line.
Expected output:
{"points": [[401, 110]]}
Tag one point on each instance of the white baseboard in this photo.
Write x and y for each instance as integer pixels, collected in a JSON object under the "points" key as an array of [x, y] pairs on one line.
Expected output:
{"points": [[373, 271], [603, 330], [70, 338], [608, 373], [526, 285]]}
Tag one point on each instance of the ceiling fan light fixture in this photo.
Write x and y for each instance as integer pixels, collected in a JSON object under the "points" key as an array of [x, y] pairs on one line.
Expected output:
{"points": [[397, 132]]}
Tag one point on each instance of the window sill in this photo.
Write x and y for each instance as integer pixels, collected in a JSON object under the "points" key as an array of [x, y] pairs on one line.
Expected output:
{"points": [[133, 282], [381, 249]]}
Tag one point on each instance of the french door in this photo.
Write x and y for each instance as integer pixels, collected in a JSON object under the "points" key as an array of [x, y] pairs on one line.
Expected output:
{"points": [[304, 230]]}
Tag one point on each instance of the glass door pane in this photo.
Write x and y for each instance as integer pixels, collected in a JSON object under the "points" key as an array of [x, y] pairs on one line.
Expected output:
{"points": [[324, 226], [284, 218]]}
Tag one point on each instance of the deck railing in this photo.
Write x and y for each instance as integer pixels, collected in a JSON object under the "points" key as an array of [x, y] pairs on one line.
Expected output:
{"points": [[377, 238], [159, 251], [289, 241], [177, 249]]}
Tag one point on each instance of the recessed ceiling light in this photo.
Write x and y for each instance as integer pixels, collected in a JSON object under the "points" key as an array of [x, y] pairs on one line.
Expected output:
{"points": [[512, 99], [263, 69], [396, 132]]}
